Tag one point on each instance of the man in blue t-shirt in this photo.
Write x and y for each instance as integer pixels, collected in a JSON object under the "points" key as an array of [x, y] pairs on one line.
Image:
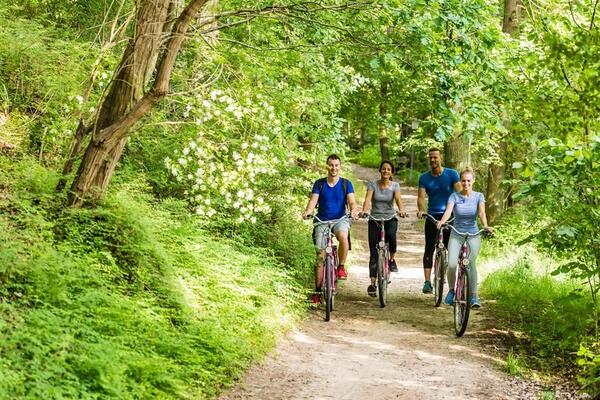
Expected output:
{"points": [[438, 183], [331, 194]]}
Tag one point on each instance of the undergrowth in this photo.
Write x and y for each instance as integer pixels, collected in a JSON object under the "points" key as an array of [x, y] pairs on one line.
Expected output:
{"points": [[553, 315], [130, 300]]}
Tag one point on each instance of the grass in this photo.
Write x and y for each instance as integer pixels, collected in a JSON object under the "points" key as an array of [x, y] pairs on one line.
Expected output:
{"points": [[515, 364], [553, 315], [130, 300]]}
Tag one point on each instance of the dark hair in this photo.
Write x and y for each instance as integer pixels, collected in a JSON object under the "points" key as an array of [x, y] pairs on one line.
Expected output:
{"points": [[386, 162], [333, 157]]}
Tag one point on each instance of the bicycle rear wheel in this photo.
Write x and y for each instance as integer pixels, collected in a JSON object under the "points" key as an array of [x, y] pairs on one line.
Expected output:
{"points": [[382, 279], [439, 272], [328, 288], [462, 302]]}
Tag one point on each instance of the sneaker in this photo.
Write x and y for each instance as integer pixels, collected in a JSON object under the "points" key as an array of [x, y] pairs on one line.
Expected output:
{"points": [[315, 298], [341, 273], [427, 288], [475, 302], [449, 298], [393, 266], [372, 291]]}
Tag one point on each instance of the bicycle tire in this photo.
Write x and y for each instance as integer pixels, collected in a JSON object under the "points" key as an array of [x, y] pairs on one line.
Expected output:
{"points": [[439, 271], [382, 280], [462, 303], [328, 289]]}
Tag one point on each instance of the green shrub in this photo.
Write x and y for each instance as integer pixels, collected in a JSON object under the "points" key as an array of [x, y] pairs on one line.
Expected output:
{"points": [[131, 300], [588, 359], [554, 315], [370, 156]]}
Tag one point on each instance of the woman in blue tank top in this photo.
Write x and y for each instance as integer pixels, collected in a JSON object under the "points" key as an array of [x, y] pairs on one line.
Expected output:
{"points": [[467, 205]]}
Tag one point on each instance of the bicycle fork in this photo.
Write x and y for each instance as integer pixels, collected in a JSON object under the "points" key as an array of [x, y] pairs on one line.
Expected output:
{"points": [[382, 248], [463, 266], [330, 252]]}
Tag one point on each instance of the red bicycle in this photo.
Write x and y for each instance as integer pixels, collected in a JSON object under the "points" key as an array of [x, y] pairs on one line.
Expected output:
{"points": [[383, 258], [440, 263], [462, 292], [330, 264]]}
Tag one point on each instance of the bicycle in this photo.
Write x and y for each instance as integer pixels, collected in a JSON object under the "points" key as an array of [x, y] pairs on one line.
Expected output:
{"points": [[462, 292], [330, 264], [440, 263], [383, 259]]}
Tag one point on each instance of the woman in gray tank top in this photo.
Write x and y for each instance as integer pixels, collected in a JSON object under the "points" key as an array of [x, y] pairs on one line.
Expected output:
{"points": [[379, 200]]}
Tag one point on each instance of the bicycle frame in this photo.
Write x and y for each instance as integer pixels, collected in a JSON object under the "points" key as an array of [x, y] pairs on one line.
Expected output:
{"points": [[462, 301], [330, 263], [440, 261], [383, 253]]}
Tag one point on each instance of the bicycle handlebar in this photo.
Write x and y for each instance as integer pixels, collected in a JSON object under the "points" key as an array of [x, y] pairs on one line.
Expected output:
{"points": [[331, 221], [369, 216], [435, 221], [467, 234]]}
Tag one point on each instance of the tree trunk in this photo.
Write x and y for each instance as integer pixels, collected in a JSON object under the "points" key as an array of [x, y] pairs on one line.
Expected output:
{"points": [[126, 103], [494, 202], [383, 138], [494, 194], [456, 152]]}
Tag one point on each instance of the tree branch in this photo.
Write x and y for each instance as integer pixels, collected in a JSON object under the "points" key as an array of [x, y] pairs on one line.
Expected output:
{"points": [[593, 15], [562, 68]]}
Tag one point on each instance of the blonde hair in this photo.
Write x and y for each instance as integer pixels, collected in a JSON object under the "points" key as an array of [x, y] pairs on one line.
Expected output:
{"points": [[467, 170]]}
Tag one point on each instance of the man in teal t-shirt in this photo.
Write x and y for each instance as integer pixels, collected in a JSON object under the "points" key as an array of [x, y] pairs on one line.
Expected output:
{"points": [[438, 183]]}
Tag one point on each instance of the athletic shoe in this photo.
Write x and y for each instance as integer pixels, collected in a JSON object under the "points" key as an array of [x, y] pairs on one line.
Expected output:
{"points": [[315, 298], [427, 288], [393, 266], [372, 291], [449, 298], [475, 302], [341, 273]]}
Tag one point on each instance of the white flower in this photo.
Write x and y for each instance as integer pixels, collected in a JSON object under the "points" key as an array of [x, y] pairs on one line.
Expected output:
{"points": [[244, 146]]}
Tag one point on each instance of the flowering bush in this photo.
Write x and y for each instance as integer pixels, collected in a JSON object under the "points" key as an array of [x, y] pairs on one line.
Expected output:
{"points": [[227, 167]]}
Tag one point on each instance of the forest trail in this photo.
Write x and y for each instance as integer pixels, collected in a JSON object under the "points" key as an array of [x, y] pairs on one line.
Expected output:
{"points": [[406, 350]]}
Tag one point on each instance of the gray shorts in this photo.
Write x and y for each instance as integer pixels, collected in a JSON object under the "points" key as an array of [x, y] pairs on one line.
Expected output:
{"points": [[321, 232]]}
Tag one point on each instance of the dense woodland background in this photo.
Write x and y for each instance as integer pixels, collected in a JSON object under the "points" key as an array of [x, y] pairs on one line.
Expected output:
{"points": [[156, 154]]}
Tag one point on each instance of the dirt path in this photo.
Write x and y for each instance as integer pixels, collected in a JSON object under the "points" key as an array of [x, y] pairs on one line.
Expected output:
{"points": [[406, 350]]}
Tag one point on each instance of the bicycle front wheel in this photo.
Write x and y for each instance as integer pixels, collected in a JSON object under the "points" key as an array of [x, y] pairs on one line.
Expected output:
{"points": [[462, 302], [439, 272], [328, 288], [382, 279]]}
